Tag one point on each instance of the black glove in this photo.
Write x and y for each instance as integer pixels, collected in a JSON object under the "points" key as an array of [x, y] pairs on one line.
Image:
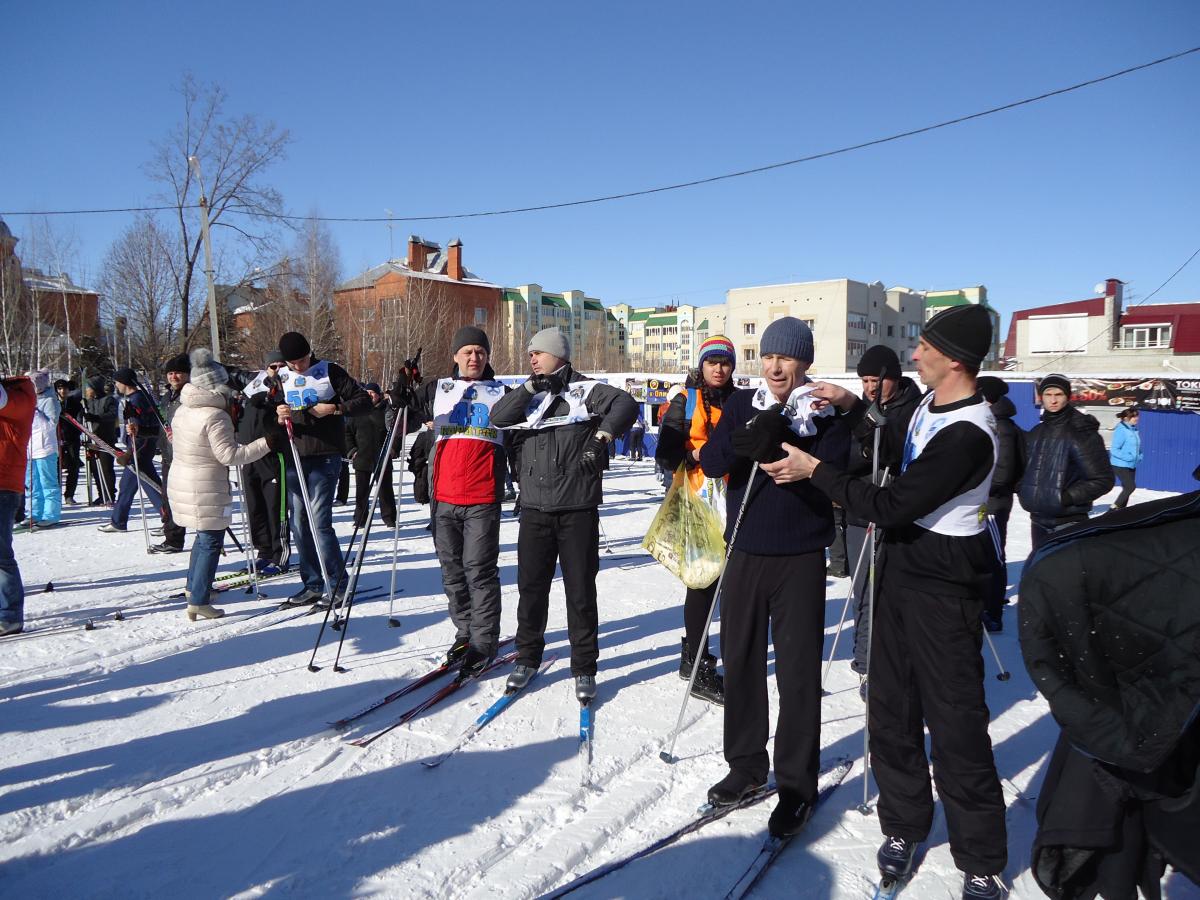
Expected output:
{"points": [[594, 458], [551, 383], [400, 393], [763, 434]]}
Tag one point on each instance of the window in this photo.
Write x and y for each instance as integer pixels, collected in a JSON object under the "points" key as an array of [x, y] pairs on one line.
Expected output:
{"points": [[1148, 336], [914, 329], [891, 331], [856, 348], [749, 354], [748, 330], [857, 321], [873, 328], [480, 315]]}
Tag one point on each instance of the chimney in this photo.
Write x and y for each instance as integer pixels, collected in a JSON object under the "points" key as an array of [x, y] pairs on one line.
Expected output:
{"points": [[454, 266], [416, 253], [1114, 297]]}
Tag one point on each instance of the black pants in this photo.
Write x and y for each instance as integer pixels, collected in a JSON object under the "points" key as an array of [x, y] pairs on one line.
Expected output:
{"points": [[173, 534], [572, 539], [1128, 479], [343, 485], [858, 567], [637, 445], [362, 496], [927, 670], [993, 603], [71, 465], [787, 595], [104, 474], [468, 545], [266, 498], [837, 550], [696, 603]]}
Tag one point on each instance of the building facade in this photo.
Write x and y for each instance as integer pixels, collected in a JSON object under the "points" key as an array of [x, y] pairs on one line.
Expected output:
{"points": [[598, 341], [1098, 335], [667, 338]]}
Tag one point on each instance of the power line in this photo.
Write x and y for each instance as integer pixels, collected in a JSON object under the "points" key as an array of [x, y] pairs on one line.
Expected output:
{"points": [[826, 154]]}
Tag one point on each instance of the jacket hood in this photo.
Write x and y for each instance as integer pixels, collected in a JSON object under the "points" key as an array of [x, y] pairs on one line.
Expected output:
{"points": [[192, 396], [1004, 409]]}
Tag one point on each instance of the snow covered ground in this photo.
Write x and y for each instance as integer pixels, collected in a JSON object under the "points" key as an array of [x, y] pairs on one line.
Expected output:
{"points": [[158, 757]]}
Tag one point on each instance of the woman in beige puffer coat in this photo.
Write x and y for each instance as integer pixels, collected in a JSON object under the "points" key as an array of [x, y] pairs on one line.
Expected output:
{"points": [[203, 449]]}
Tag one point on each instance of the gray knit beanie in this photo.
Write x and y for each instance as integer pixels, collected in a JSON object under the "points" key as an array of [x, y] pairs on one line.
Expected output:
{"points": [[207, 373], [787, 337], [552, 341]]}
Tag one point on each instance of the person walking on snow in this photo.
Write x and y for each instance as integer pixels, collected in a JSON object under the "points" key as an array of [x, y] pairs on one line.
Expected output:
{"points": [[1125, 454], [41, 476], [774, 577], [926, 665], [100, 414], [1010, 463], [69, 436], [567, 421], [176, 371], [204, 447], [17, 403], [141, 429], [682, 432], [469, 462], [264, 481]]}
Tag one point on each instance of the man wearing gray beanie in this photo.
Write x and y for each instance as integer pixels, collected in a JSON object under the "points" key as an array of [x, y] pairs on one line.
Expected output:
{"points": [[564, 423]]}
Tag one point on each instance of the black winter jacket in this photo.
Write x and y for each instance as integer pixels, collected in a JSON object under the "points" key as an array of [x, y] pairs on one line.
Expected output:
{"points": [[1010, 457], [100, 414], [72, 405], [899, 412], [551, 480], [170, 405], [365, 437], [1066, 467], [1110, 626]]}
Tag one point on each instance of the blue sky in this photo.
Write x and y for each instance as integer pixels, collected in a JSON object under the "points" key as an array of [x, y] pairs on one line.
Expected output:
{"points": [[441, 108]]}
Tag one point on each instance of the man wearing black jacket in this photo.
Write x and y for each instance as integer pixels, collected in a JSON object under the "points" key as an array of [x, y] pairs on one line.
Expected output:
{"points": [[141, 441], [69, 436], [177, 371], [264, 481], [100, 414], [566, 423], [365, 437], [1010, 463], [774, 578], [895, 396], [926, 666], [1066, 465], [317, 396]]}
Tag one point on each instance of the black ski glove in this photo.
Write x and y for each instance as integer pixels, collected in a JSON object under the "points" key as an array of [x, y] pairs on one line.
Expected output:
{"points": [[552, 383], [763, 434], [400, 394], [594, 458]]}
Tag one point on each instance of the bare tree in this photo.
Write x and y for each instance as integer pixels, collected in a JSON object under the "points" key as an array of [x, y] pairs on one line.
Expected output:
{"points": [[140, 304], [235, 154]]}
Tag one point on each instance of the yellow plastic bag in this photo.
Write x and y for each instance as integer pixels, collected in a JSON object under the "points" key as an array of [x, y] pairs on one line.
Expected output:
{"points": [[687, 536]]}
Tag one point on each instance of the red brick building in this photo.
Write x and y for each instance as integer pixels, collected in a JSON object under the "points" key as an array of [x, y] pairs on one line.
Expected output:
{"points": [[58, 299], [389, 311]]}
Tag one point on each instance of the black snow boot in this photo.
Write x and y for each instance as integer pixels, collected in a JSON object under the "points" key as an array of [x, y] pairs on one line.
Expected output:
{"points": [[895, 857], [732, 788], [710, 685], [789, 816]]}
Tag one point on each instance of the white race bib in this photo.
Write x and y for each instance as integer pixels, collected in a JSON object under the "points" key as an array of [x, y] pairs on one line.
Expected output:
{"points": [[463, 409], [575, 393], [309, 389], [798, 410]]}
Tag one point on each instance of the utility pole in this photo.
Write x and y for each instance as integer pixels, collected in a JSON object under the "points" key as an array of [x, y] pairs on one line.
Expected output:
{"points": [[194, 162]]}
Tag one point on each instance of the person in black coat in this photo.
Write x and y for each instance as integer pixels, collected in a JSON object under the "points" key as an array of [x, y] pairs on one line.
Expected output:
{"points": [[69, 436], [100, 415], [1066, 466], [365, 437], [1010, 464], [177, 371], [264, 481]]}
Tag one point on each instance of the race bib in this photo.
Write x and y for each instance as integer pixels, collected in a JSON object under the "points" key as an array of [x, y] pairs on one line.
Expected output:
{"points": [[309, 389], [576, 394], [463, 409], [798, 410]]}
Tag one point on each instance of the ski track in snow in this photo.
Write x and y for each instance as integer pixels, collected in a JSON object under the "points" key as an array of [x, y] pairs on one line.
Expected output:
{"points": [[154, 755]]}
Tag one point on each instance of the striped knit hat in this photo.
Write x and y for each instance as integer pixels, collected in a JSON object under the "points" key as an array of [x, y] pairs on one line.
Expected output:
{"points": [[717, 345]]}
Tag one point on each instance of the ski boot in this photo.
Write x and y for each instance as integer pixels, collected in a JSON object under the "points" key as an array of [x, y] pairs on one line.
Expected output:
{"points": [[981, 887], [732, 789]]}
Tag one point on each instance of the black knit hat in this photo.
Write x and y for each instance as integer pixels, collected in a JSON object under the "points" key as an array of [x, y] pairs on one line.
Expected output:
{"points": [[96, 383], [63, 383], [179, 363], [125, 376], [467, 336], [372, 386], [294, 345], [991, 387], [963, 333], [880, 361], [1055, 381]]}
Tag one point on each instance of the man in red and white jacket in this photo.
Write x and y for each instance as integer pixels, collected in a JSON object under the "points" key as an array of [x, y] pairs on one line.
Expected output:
{"points": [[17, 401], [467, 485]]}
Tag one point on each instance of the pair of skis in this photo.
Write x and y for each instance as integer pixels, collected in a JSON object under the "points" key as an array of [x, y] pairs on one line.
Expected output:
{"points": [[706, 815]]}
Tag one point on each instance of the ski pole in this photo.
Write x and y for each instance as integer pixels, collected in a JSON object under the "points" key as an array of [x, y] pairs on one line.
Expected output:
{"points": [[1004, 674], [251, 562], [376, 473], [344, 624], [142, 490], [668, 755], [865, 807], [392, 621], [846, 607], [603, 534]]}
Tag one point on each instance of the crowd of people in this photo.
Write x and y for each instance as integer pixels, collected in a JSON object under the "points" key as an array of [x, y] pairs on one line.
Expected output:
{"points": [[914, 485]]}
